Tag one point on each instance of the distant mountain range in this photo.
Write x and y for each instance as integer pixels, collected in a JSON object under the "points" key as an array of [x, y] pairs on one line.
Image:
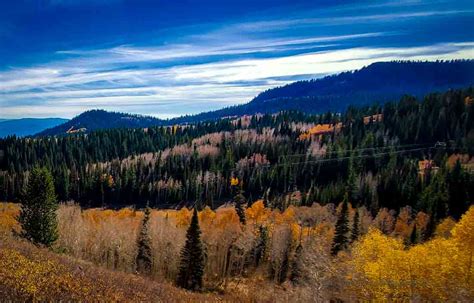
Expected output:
{"points": [[378, 82], [27, 126]]}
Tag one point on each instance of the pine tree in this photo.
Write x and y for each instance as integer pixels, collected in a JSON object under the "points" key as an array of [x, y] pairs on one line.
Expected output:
{"points": [[457, 191], [240, 201], [261, 247], [38, 211], [191, 267], [414, 235], [355, 227], [340, 238], [352, 186], [296, 265], [144, 259]]}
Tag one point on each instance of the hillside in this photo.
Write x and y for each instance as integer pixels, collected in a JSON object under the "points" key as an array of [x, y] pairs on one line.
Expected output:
{"points": [[377, 266], [101, 119], [378, 82], [166, 166], [32, 274], [27, 126]]}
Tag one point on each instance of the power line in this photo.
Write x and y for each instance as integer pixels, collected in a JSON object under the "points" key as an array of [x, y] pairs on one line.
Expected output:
{"points": [[347, 157], [355, 150]]}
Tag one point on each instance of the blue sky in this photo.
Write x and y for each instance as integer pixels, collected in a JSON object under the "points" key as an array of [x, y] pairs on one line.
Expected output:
{"points": [[168, 58]]}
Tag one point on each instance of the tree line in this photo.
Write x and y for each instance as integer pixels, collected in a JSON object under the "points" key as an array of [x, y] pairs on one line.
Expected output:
{"points": [[377, 162]]}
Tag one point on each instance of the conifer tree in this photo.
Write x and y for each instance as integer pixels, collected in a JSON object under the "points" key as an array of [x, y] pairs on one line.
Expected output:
{"points": [[355, 227], [191, 269], [414, 235], [457, 191], [296, 265], [240, 201], [340, 238], [144, 259], [284, 266], [352, 186], [261, 246], [38, 217]]}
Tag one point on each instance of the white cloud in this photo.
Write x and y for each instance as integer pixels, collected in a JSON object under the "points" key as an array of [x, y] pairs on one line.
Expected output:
{"points": [[278, 24], [65, 89]]}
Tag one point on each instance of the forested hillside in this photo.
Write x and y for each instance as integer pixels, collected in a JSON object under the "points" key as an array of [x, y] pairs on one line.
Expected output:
{"points": [[100, 119], [377, 83], [288, 159]]}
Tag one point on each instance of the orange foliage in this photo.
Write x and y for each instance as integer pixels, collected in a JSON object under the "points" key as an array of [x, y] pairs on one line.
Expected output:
{"points": [[320, 129], [9, 212], [257, 213]]}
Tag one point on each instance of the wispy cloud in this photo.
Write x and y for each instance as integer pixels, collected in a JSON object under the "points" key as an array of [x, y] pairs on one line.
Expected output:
{"points": [[130, 54], [272, 25], [165, 91], [224, 65]]}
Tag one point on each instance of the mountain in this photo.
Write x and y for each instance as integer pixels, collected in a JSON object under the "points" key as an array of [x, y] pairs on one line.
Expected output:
{"points": [[100, 119], [378, 82], [27, 126]]}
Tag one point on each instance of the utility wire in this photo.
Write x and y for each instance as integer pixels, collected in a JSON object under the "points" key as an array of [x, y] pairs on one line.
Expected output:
{"points": [[354, 150], [348, 157]]}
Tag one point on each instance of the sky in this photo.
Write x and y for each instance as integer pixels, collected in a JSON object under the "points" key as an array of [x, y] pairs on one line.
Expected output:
{"points": [[59, 58]]}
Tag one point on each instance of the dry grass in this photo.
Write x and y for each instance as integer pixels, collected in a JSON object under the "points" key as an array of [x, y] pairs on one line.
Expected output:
{"points": [[29, 273]]}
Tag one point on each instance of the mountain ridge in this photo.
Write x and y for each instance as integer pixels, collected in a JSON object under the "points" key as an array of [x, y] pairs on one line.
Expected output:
{"points": [[99, 119], [378, 82]]}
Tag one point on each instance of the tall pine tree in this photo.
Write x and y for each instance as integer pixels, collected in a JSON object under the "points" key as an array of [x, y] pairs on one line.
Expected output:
{"points": [[297, 265], [261, 246], [38, 217], [414, 235], [191, 268], [355, 226], [240, 203], [144, 259], [342, 228]]}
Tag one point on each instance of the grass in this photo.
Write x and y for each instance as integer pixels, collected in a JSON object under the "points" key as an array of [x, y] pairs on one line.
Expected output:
{"points": [[29, 273]]}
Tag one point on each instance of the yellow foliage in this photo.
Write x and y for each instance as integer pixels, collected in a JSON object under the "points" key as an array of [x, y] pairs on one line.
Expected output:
{"points": [[225, 217], [439, 270], [234, 181], [287, 217], [380, 267], [8, 214], [207, 216], [183, 217], [41, 280], [463, 236], [445, 227], [257, 213]]}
